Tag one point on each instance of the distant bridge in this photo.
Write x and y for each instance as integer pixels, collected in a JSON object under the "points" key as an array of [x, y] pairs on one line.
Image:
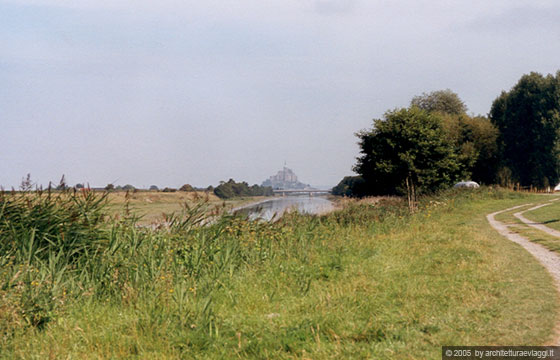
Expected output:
{"points": [[300, 191]]}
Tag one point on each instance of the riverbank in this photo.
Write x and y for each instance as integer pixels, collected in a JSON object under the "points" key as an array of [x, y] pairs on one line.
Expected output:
{"points": [[368, 281]]}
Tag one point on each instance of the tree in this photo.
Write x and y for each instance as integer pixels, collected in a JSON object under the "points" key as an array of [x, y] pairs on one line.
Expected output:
{"points": [[474, 139], [186, 187], [231, 189], [528, 117], [154, 188], [350, 186], [445, 101], [407, 153], [110, 187]]}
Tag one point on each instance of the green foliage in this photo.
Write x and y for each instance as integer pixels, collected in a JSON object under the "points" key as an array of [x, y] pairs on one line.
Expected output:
{"points": [[36, 224], [49, 235], [167, 190], [474, 139], [528, 117], [407, 153], [350, 186], [444, 101], [232, 189], [423, 149]]}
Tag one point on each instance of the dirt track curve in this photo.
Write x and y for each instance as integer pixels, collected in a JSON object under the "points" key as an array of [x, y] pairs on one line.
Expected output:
{"points": [[549, 259]]}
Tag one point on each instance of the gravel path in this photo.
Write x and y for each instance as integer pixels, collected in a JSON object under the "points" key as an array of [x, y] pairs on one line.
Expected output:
{"points": [[549, 259]]}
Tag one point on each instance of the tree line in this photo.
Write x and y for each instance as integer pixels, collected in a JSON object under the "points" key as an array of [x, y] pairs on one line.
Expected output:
{"points": [[232, 189], [434, 143]]}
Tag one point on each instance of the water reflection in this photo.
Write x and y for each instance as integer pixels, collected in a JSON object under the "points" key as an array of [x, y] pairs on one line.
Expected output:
{"points": [[269, 209]]}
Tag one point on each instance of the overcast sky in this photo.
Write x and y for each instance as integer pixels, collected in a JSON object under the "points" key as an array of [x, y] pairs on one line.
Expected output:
{"points": [[171, 92]]}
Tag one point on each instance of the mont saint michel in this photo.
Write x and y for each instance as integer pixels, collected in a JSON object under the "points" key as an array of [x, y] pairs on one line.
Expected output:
{"points": [[285, 179]]}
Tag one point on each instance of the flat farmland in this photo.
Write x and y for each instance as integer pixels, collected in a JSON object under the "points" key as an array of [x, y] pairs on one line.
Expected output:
{"points": [[152, 206]]}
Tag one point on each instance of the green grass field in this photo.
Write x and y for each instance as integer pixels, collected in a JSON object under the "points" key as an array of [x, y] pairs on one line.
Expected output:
{"points": [[368, 281]]}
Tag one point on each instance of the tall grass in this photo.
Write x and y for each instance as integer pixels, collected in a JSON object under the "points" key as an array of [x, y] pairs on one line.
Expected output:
{"points": [[332, 285], [58, 248]]}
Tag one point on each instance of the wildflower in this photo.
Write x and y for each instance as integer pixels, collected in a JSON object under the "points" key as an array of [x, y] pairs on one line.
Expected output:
{"points": [[170, 291]]}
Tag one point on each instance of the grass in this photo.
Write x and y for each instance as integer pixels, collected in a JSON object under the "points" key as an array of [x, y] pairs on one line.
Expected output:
{"points": [[548, 215], [368, 281]]}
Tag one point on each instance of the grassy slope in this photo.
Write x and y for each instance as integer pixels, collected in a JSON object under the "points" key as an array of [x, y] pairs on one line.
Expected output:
{"points": [[357, 284]]}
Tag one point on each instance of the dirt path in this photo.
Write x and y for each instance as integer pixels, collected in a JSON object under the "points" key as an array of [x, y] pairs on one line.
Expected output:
{"points": [[549, 259]]}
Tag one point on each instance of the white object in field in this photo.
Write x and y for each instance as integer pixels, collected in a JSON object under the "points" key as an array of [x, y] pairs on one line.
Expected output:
{"points": [[557, 187], [466, 184]]}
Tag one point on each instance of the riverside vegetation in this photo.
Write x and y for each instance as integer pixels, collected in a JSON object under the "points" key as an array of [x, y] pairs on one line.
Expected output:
{"points": [[433, 144], [371, 280]]}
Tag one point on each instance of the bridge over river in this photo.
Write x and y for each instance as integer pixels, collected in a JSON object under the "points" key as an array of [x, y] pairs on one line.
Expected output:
{"points": [[310, 192]]}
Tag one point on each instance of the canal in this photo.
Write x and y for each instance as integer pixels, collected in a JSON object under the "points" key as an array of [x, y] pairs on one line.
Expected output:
{"points": [[275, 208]]}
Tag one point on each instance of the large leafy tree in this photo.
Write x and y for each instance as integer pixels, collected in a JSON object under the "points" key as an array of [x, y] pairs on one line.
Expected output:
{"points": [[474, 139], [407, 152], [444, 101], [528, 117]]}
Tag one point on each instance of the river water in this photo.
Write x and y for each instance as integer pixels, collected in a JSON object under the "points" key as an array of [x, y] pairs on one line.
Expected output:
{"points": [[275, 208]]}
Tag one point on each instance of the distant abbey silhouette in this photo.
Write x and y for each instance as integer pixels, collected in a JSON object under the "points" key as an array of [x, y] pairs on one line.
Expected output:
{"points": [[285, 179]]}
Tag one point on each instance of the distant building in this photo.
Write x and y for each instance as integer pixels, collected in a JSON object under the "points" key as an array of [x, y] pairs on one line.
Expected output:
{"points": [[284, 179]]}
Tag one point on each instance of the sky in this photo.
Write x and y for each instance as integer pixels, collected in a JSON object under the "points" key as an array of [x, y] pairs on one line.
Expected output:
{"points": [[170, 92]]}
